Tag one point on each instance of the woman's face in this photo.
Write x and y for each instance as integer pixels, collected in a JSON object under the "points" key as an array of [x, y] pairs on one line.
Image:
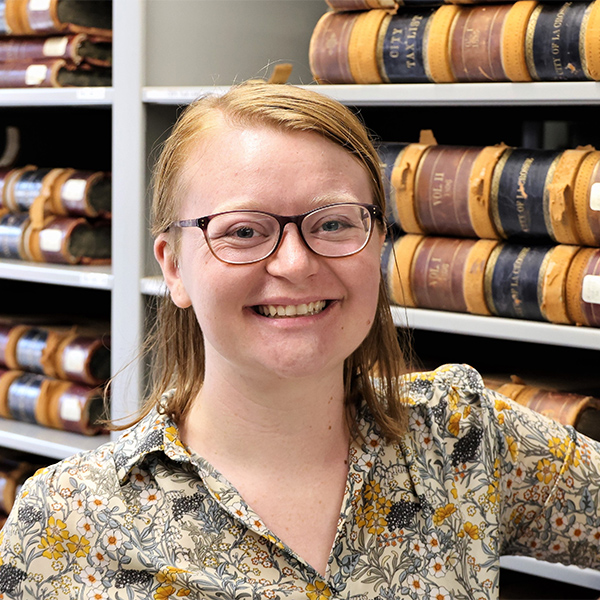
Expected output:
{"points": [[285, 173]]}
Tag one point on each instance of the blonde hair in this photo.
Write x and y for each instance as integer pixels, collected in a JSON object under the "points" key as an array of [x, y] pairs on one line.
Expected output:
{"points": [[374, 372]]}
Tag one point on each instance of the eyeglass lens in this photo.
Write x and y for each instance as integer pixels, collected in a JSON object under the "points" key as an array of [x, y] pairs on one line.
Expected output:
{"points": [[333, 231]]}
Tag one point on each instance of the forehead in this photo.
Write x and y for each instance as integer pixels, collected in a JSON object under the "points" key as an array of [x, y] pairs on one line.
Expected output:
{"points": [[270, 169]]}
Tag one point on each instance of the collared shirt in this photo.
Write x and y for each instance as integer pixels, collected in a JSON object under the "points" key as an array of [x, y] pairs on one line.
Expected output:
{"points": [[475, 476]]}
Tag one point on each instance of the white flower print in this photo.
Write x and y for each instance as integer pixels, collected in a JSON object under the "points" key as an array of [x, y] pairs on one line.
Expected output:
{"points": [[112, 539], [149, 496], [437, 567], [439, 593], [91, 576], [85, 527]]}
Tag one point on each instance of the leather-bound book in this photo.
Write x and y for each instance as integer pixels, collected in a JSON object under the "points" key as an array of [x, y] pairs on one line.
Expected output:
{"points": [[45, 17], [583, 288], [83, 358], [530, 282], [580, 411], [448, 188], [82, 193], [76, 48], [488, 42], [55, 72], [440, 273], [389, 153], [77, 408], [586, 199], [532, 194], [13, 242], [67, 240], [555, 46]]}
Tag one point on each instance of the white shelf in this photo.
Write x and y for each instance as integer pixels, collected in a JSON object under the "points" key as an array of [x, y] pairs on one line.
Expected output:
{"points": [[96, 277], [153, 286], [520, 330], [420, 94], [52, 443], [495, 327], [566, 573], [73, 96]]}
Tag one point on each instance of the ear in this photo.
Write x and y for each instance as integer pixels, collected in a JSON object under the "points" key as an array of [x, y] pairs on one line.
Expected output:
{"points": [[163, 251]]}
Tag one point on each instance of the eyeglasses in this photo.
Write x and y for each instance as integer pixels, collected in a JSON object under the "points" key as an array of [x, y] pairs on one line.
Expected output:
{"points": [[241, 237]]}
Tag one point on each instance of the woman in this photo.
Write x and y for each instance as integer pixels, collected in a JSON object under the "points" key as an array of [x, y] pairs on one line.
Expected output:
{"points": [[290, 456]]}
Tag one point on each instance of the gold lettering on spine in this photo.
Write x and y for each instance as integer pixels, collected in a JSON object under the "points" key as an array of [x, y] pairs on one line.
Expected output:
{"points": [[521, 196], [555, 40], [515, 277]]}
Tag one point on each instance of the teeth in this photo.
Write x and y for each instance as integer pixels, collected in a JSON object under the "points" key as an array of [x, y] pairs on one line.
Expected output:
{"points": [[312, 308]]}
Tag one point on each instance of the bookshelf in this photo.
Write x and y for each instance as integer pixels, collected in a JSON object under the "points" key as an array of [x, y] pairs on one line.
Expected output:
{"points": [[166, 54]]}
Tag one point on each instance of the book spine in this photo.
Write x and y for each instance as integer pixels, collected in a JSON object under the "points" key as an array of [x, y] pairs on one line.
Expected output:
{"points": [[329, 45], [587, 199], [514, 280], [401, 46], [441, 193], [583, 288], [389, 154], [519, 195], [476, 43], [554, 47], [13, 227]]}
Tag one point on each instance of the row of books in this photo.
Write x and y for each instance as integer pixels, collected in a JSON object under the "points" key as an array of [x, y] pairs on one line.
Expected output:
{"points": [[55, 43], [392, 5], [54, 375], [557, 283], [495, 192], [55, 215], [521, 41]]}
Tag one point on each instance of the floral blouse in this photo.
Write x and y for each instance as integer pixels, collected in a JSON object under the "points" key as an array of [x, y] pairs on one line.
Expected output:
{"points": [[475, 477]]}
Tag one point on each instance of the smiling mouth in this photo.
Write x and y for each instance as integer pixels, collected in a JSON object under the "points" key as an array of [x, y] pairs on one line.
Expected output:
{"points": [[291, 310]]}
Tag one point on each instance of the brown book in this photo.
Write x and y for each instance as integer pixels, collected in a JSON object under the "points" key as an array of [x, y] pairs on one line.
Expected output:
{"points": [[580, 411], [76, 48], [53, 73], [46, 17]]}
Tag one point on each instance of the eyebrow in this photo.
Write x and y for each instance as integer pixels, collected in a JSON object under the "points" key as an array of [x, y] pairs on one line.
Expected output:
{"points": [[314, 202]]}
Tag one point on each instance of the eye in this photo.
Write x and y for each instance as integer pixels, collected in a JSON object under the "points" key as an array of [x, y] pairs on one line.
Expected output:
{"points": [[244, 233]]}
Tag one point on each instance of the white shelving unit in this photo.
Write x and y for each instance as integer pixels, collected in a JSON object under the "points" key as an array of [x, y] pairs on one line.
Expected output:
{"points": [[166, 54]]}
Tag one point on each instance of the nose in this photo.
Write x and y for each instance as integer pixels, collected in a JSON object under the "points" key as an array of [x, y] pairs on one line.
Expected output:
{"points": [[293, 259]]}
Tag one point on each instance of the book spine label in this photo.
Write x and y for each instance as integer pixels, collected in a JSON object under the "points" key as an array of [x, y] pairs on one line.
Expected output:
{"points": [[437, 273], [514, 279], [23, 396], [30, 349], [519, 196], [12, 233], [476, 43], [554, 42], [401, 48], [442, 190]]}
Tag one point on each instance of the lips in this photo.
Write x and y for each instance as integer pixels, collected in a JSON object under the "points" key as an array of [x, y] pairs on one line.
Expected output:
{"points": [[279, 311]]}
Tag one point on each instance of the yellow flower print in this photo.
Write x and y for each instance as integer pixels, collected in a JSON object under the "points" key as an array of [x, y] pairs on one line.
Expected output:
{"points": [[557, 447], [52, 547], [56, 529], [172, 436], [318, 591], [169, 574], [453, 399], [441, 514], [545, 471], [513, 447], [78, 546], [502, 405], [471, 530], [454, 424], [165, 592]]}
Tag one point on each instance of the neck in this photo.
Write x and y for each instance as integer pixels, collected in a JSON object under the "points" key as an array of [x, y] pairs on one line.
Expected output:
{"points": [[272, 425]]}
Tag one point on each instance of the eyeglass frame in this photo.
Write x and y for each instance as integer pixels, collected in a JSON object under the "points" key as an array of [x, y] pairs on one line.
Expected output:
{"points": [[202, 223]]}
